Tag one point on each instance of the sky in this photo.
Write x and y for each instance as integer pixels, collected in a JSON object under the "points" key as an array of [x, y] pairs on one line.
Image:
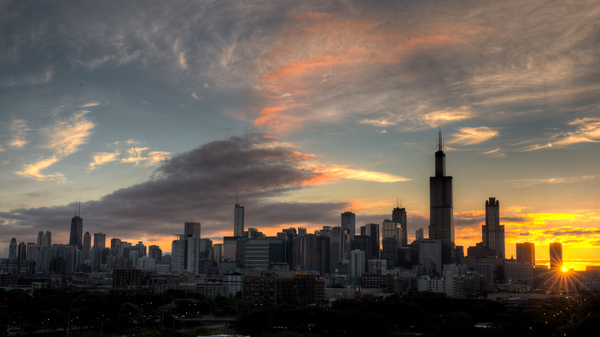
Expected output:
{"points": [[154, 113]]}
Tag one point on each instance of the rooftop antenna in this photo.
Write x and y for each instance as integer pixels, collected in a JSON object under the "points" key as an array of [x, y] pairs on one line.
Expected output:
{"points": [[237, 196], [75, 208], [397, 203], [79, 208], [440, 142]]}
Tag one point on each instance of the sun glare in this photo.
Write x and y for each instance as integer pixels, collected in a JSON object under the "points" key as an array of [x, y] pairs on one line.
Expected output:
{"points": [[564, 269]]}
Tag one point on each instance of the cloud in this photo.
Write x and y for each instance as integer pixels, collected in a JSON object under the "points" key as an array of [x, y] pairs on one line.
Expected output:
{"points": [[32, 171], [471, 136], [90, 104], [62, 138], [588, 131], [438, 118], [66, 136], [332, 172], [101, 158], [561, 180], [200, 184], [536, 147], [18, 132]]}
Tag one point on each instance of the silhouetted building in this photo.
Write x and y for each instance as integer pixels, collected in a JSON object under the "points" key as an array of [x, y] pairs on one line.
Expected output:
{"points": [[86, 253], [238, 220], [76, 232], [311, 253], [556, 258], [349, 221], [441, 220], [526, 252], [399, 216], [391, 239], [100, 240], [155, 252], [372, 231], [492, 233]]}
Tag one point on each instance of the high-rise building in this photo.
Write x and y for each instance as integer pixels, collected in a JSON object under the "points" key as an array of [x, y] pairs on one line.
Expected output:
{"points": [[526, 252], [419, 234], [391, 239], [238, 220], [155, 252], [399, 216], [441, 220], [86, 253], [556, 258], [115, 247], [100, 240], [191, 228], [349, 221], [76, 232], [492, 233], [311, 253], [372, 231], [191, 253]]}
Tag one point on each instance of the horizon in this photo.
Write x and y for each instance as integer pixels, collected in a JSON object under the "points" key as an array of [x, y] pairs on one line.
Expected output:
{"points": [[153, 115]]}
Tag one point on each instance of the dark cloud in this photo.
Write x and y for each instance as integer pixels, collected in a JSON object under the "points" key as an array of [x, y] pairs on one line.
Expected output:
{"points": [[512, 219], [524, 234], [574, 232], [468, 220], [200, 185]]}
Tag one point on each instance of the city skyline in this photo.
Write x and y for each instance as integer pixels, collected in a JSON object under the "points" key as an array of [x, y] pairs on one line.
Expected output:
{"points": [[158, 117]]}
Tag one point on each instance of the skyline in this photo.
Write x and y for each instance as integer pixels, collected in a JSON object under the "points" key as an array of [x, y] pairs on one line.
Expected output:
{"points": [[156, 115]]}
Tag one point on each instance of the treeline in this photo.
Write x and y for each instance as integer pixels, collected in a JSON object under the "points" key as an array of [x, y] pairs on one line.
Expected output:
{"points": [[427, 314], [419, 313]]}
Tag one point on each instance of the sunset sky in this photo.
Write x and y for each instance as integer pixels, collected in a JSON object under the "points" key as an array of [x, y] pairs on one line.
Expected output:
{"points": [[155, 113]]}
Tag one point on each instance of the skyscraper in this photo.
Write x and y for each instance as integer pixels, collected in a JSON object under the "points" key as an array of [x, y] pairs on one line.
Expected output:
{"points": [[86, 253], [441, 220], [100, 240], [526, 252], [556, 258], [492, 233], [391, 238], [349, 221], [238, 220], [76, 232], [399, 216]]}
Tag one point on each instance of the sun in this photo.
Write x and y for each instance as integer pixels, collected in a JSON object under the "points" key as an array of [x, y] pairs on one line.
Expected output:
{"points": [[564, 269]]}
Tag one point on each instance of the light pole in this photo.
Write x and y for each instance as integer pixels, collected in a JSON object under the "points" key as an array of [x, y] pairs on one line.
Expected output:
{"points": [[68, 321]]}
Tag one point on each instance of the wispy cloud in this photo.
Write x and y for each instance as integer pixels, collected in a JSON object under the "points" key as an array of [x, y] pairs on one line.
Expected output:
{"points": [[588, 131], [438, 118], [18, 132], [334, 172], [568, 180], [62, 138], [90, 104], [102, 158], [471, 136]]}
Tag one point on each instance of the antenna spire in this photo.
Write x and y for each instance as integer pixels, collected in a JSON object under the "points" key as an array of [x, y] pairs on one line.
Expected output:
{"points": [[440, 142], [237, 197]]}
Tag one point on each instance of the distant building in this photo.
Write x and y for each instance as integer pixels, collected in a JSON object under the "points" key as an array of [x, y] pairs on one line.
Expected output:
{"points": [[100, 240], [238, 220], [556, 257], [399, 216], [86, 252], [526, 252], [492, 232], [441, 220], [311, 253], [76, 232], [349, 221]]}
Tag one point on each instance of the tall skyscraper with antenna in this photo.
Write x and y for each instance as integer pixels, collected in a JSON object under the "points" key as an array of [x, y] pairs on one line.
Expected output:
{"points": [[76, 234], [238, 219], [441, 220]]}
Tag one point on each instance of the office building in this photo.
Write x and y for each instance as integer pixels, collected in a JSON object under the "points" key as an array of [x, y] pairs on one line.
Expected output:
{"points": [[441, 220], [391, 239], [349, 221], [76, 232], [526, 252], [86, 253], [372, 231], [492, 233], [44, 240], [311, 253], [100, 240], [556, 257], [431, 254], [357, 264], [262, 253], [399, 216], [238, 220], [419, 234], [155, 252]]}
